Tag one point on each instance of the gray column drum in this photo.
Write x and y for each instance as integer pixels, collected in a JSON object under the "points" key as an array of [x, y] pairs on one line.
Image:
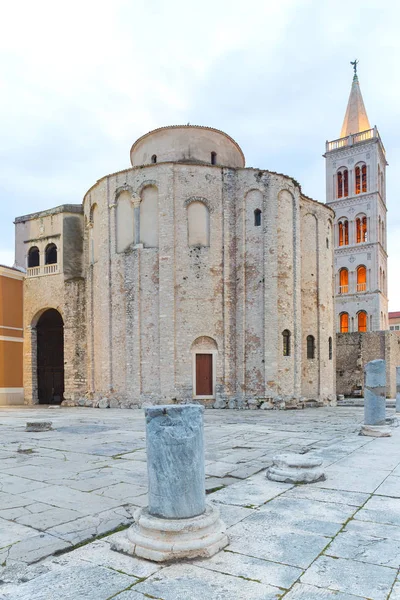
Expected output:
{"points": [[375, 392], [175, 460]]}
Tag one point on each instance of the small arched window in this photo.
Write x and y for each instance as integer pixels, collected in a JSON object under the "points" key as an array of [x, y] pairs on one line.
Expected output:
{"points": [[198, 217], [344, 322], [361, 279], [361, 230], [213, 158], [257, 217], [154, 159], [310, 346], [362, 321], [342, 183], [343, 281], [343, 232], [286, 342], [330, 348], [50, 254], [361, 179], [33, 257]]}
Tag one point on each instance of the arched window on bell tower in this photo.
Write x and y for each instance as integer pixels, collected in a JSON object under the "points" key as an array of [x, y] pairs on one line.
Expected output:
{"points": [[361, 229], [342, 183], [343, 226], [360, 178]]}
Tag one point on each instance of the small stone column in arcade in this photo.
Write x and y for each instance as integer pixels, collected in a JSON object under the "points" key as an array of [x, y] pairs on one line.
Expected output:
{"points": [[178, 522]]}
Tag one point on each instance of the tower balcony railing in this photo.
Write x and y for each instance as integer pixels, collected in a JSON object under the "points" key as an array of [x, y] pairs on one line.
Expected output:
{"points": [[343, 289], [361, 287], [42, 270], [354, 138]]}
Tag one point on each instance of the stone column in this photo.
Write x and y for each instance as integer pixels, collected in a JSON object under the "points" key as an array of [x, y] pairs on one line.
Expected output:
{"points": [[375, 399], [178, 523], [136, 217], [398, 389], [175, 461]]}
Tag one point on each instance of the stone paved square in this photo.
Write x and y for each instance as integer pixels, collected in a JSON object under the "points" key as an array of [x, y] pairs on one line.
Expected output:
{"points": [[82, 482]]}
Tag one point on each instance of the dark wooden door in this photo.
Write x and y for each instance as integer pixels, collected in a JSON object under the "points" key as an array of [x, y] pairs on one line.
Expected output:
{"points": [[204, 375], [50, 358]]}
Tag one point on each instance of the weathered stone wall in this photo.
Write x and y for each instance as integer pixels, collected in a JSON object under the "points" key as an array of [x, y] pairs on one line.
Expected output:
{"points": [[355, 350], [148, 306], [63, 290]]}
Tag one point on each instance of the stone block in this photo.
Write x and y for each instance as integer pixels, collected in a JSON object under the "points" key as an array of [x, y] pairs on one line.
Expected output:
{"points": [[104, 403], [375, 392], [38, 426]]}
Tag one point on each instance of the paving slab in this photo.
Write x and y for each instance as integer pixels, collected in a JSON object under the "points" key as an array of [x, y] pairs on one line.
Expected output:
{"points": [[88, 582], [251, 493], [302, 591], [248, 567], [366, 548], [381, 509], [350, 576], [390, 487], [181, 582]]}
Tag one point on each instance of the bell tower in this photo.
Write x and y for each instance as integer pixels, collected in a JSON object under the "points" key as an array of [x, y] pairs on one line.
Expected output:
{"points": [[356, 190]]}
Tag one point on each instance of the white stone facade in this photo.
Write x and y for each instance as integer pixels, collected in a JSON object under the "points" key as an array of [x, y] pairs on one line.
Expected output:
{"points": [[186, 257], [358, 197]]}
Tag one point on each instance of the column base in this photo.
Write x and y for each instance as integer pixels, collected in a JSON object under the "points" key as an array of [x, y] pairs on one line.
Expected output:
{"points": [[163, 540], [375, 431], [295, 468]]}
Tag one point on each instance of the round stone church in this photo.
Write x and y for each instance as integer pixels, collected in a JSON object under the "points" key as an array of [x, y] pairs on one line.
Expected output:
{"points": [[185, 277]]}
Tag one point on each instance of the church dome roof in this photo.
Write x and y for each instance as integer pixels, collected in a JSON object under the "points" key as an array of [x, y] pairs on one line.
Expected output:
{"points": [[187, 144]]}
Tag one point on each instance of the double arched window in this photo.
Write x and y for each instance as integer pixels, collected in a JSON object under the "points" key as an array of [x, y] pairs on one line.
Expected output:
{"points": [[342, 183], [344, 322], [343, 281], [343, 226], [286, 342], [361, 279], [361, 178], [361, 229]]}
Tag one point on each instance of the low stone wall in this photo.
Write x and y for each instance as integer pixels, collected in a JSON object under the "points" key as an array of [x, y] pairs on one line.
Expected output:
{"points": [[355, 350], [270, 403]]}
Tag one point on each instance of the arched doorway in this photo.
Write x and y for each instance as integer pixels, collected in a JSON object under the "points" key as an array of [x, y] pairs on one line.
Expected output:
{"points": [[50, 357]]}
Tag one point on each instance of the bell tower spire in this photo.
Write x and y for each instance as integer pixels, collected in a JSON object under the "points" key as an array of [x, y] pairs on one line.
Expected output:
{"points": [[356, 119]]}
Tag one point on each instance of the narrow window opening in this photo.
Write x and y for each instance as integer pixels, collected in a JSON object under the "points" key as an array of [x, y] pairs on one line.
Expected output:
{"points": [[361, 279], [213, 158], [339, 184], [345, 183], [364, 178], [327, 242], [344, 281], [257, 217], [358, 180], [343, 233], [286, 342], [362, 321], [154, 159], [361, 230], [344, 323], [330, 348], [310, 347]]}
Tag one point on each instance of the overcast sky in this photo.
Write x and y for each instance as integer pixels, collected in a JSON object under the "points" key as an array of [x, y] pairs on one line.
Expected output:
{"points": [[81, 80]]}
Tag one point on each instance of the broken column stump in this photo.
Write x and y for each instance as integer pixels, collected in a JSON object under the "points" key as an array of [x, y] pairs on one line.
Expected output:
{"points": [[178, 522], [295, 468], [375, 400]]}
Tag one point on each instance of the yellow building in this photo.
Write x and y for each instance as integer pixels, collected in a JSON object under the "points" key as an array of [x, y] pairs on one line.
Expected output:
{"points": [[11, 336]]}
